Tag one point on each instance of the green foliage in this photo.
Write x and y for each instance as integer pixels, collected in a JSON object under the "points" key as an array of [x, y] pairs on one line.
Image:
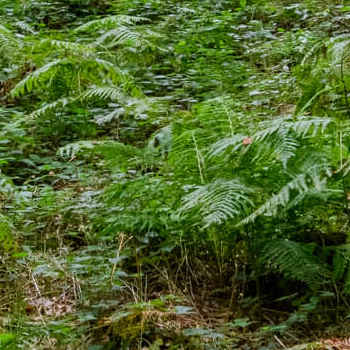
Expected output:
{"points": [[192, 148], [296, 261], [7, 241]]}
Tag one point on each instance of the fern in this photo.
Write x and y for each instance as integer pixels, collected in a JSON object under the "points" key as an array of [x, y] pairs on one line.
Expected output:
{"points": [[108, 22], [123, 35], [295, 261], [85, 50], [87, 68], [72, 149], [115, 73], [275, 139], [219, 201], [306, 184], [9, 43], [48, 107], [222, 114], [40, 77], [302, 126], [341, 262], [104, 93], [234, 143]]}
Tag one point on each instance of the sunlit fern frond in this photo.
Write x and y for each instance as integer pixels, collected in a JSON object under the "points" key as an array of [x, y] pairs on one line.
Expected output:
{"points": [[162, 139], [277, 139], [72, 149], [124, 104], [281, 146], [83, 50], [9, 43], [222, 114], [309, 184], [302, 126], [109, 22], [89, 69], [24, 27], [219, 201], [112, 93], [294, 260], [125, 35]]}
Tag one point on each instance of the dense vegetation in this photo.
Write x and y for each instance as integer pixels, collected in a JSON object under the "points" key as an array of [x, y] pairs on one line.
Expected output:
{"points": [[174, 174]]}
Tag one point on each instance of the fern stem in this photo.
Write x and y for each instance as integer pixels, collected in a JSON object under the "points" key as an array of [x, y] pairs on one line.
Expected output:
{"points": [[198, 158], [341, 146], [229, 119]]}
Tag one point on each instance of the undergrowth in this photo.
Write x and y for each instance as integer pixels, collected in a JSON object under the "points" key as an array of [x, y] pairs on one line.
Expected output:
{"points": [[174, 175]]}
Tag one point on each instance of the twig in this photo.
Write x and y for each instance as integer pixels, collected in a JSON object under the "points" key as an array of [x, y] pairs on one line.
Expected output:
{"points": [[279, 341]]}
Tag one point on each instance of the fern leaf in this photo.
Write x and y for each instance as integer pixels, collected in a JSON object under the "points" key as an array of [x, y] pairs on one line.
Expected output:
{"points": [[219, 201], [72, 149], [123, 35], [104, 93], [8, 41], [341, 262], [112, 71], [50, 107], [76, 48], [294, 260], [303, 184], [222, 114], [234, 143], [110, 21], [313, 126]]}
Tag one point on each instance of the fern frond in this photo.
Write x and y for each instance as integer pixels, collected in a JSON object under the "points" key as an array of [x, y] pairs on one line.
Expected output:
{"points": [[107, 118], [189, 145], [309, 125], [339, 48], [222, 114], [294, 260], [104, 93], [281, 147], [123, 35], [234, 143], [305, 184], [8, 41], [24, 26], [61, 103], [111, 70], [219, 201], [275, 139], [110, 21], [341, 262], [40, 76], [162, 139], [45, 74], [74, 48], [302, 126], [72, 149]]}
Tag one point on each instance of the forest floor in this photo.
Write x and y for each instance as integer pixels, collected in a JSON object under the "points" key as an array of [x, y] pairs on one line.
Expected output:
{"points": [[64, 285]]}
